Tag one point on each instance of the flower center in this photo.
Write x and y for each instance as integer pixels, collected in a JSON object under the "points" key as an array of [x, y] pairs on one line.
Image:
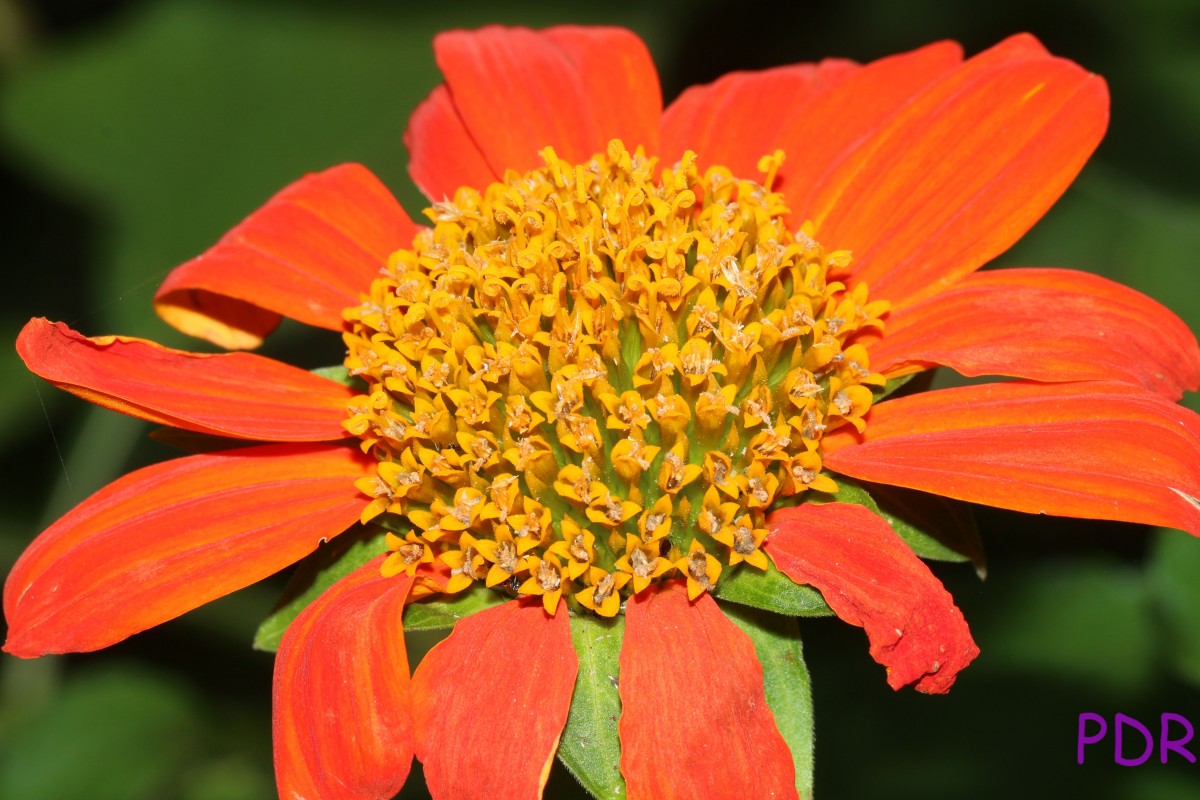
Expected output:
{"points": [[593, 379]]}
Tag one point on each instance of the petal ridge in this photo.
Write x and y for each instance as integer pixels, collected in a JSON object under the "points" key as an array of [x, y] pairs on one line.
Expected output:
{"points": [[484, 729], [695, 720], [1091, 450], [738, 118], [963, 171], [342, 716], [307, 254], [519, 90], [170, 537], [999, 323], [840, 123], [443, 155], [240, 395]]}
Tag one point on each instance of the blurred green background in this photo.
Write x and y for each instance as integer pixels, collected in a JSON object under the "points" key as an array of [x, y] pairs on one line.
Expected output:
{"points": [[134, 132]]}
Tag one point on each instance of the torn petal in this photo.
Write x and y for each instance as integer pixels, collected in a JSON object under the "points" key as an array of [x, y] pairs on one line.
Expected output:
{"points": [[870, 578]]}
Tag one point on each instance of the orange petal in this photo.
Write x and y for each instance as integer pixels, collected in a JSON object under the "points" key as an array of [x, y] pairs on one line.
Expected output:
{"points": [[870, 577], [234, 394], [737, 119], [170, 537], [620, 83], [1091, 450], [490, 702], [570, 88], [842, 121], [695, 720], [1046, 325], [962, 171], [307, 254], [342, 713], [442, 155]]}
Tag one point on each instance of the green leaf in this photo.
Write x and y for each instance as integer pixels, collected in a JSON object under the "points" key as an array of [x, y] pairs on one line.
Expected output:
{"points": [[958, 542], [331, 562], [893, 385], [785, 678], [589, 747], [434, 615], [921, 542], [848, 492], [339, 373], [911, 384], [771, 591], [937, 528]]}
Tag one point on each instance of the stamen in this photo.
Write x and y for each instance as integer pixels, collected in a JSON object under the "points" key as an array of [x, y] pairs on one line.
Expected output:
{"points": [[642, 566], [743, 540], [506, 557], [604, 589], [548, 576]]}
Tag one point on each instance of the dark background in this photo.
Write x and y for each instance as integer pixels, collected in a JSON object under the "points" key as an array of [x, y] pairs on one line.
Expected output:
{"points": [[132, 134]]}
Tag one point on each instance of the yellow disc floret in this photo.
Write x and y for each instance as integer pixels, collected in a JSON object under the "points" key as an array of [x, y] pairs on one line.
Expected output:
{"points": [[588, 378]]}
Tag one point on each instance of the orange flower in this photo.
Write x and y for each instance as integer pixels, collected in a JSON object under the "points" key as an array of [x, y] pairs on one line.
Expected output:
{"points": [[678, 357]]}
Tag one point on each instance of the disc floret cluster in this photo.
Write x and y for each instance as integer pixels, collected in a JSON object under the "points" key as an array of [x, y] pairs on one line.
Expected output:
{"points": [[589, 377]]}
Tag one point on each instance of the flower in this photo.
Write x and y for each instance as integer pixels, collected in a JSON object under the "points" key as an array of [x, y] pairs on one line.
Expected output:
{"points": [[631, 351]]}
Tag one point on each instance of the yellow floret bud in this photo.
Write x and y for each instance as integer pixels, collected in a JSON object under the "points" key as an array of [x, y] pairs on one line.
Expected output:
{"points": [[583, 372]]}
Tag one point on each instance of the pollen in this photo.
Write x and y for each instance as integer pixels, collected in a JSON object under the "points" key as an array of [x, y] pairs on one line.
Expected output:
{"points": [[591, 377]]}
